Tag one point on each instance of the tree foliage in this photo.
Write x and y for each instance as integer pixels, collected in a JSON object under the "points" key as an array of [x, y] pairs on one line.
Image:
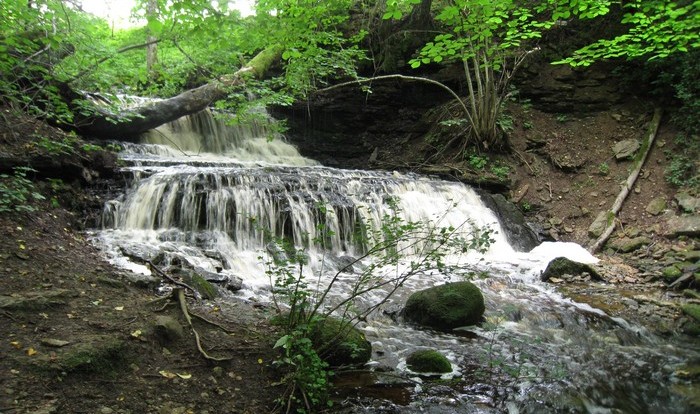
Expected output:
{"points": [[491, 38], [49, 43], [656, 30]]}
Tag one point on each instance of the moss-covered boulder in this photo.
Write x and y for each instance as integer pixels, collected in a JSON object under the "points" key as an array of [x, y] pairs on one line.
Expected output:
{"points": [[339, 343], [691, 327], [446, 307], [93, 354], [692, 310], [561, 266], [671, 273], [428, 361]]}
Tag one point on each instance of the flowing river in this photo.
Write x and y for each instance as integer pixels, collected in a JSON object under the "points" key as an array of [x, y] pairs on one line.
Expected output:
{"points": [[210, 196]]}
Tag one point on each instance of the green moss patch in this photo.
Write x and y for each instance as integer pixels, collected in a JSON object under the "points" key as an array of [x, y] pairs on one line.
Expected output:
{"points": [[428, 361]]}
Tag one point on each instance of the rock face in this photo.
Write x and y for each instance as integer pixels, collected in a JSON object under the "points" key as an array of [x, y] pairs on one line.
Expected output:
{"points": [[561, 88], [446, 307], [560, 267], [428, 361], [347, 127], [340, 343], [519, 234]]}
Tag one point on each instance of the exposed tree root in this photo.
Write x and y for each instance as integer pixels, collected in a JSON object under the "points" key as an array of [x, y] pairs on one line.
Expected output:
{"points": [[183, 307]]}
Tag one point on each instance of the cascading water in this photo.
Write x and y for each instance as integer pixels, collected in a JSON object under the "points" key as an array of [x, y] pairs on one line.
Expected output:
{"points": [[213, 196]]}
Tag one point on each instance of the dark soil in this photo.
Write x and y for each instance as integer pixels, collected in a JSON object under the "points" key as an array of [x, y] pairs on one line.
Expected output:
{"points": [[78, 338], [88, 343]]}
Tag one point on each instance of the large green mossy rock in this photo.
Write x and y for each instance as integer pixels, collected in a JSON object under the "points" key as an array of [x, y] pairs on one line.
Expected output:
{"points": [[339, 343], [446, 307], [428, 361]]}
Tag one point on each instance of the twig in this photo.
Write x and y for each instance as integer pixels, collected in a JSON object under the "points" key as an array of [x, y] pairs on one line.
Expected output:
{"points": [[522, 158]]}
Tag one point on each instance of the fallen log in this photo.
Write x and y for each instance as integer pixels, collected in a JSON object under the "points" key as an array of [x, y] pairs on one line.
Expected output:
{"points": [[127, 125], [629, 183]]}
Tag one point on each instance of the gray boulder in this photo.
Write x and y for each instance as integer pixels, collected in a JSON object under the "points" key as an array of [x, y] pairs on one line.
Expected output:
{"points": [[561, 267], [683, 226]]}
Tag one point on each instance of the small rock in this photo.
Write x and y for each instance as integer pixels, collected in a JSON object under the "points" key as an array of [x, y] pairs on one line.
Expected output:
{"points": [[599, 224], [656, 206], [56, 343], [671, 273], [617, 117], [234, 283], [561, 266], [106, 410], [626, 149], [167, 329], [428, 361]]}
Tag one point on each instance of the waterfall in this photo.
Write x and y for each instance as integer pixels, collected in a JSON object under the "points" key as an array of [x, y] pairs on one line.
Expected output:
{"points": [[212, 196]]}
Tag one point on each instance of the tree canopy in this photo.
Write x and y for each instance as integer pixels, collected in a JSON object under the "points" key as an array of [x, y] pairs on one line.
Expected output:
{"points": [[49, 46]]}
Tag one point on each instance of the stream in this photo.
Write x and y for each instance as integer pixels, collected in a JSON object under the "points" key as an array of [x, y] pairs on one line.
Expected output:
{"points": [[209, 196]]}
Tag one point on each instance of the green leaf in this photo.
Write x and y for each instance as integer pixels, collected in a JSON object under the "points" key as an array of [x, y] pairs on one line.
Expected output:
{"points": [[154, 26], [283, 342]]}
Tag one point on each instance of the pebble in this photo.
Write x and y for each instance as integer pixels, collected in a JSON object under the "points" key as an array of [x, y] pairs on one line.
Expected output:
{"points": [[106, 410]]}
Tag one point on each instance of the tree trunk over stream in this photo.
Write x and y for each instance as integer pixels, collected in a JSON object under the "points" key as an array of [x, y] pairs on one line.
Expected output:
{"points": [[129, 124]]}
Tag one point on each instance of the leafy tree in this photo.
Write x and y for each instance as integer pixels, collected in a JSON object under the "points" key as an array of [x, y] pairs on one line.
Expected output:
{"points": [[656, 30], [491, 38], [35, 37]]}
